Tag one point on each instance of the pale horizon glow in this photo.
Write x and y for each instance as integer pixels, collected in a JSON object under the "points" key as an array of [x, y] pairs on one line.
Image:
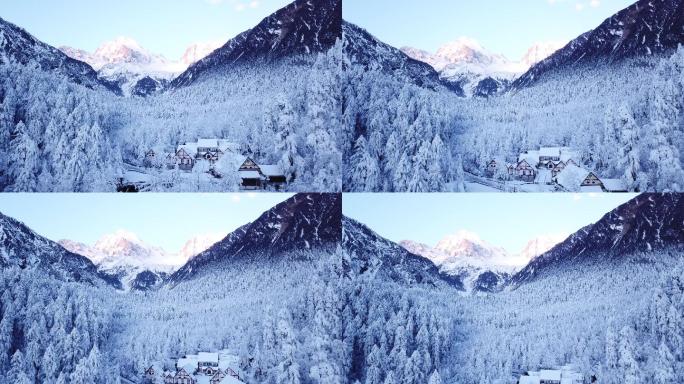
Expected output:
{"points": [[504, 220], [166, 221], [503, 27], [162, 27]]}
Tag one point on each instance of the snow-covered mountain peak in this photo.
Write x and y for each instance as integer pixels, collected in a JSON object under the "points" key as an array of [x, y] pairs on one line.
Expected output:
{"points": [[137, 265], [135, 69], [478, 71], [125, 50], [468, 245], [468, 50]]}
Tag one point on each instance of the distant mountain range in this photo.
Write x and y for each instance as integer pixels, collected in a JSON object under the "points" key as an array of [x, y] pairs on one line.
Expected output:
{"points": [[645, 29], [309, 225], [136, 264], [478, 71], [135, 69], [304, 27], [480, 266]]}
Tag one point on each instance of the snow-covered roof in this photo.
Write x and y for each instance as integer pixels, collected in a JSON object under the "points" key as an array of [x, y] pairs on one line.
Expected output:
{"points": [[550, 375], [549, 151], [189, 363], [614, 185], [230, 380], [568, 155], [207, 143], [190, 148], [532, 157], [208, 357], [529, 380], [271, 170], [227, 145], [228, 360], [571, 177], [249, 174]]}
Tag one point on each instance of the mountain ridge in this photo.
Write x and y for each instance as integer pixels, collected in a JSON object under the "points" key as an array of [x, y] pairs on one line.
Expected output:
{"points": [[303, 27], [298, 226], [21, 247], [643, 29], [646, 223], [17, 45]]}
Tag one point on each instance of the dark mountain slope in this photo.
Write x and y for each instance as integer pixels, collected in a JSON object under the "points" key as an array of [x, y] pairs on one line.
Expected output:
{"points": [[648, 223], [303, 224], [361, 48], [23, 248], [648, 27], [301, 28], [18, 46], [373, 255]]}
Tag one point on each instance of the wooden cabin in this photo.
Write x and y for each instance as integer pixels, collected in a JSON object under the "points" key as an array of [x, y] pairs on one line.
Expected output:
{"points": [[183, 377], [525, 171], [170, 161], [184, 160], [207, 362], [149, 373], [557, 168], [592, 180], [251, 175], [491, 168], [232, 373], [169, 378], [547, 154], [150, 157], [218, 376]]}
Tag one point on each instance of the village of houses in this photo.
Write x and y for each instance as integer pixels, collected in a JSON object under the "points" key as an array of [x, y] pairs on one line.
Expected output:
{"points": [[564, 375], [545, 170], [203, 368], [204, 154]]}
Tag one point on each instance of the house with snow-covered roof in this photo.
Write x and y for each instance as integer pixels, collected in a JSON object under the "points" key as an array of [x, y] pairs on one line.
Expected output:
{"points": [[565, 375], [549, 157], [208, 362], [577, 179], [183, 377], [549, 376], [185, 158], [255, 176], [615, 185], [205, 368], [525, 171], [547, 154]]}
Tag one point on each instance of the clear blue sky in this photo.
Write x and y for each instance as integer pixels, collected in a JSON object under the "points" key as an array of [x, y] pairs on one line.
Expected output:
{"points": [[164, 220], [162, 26], [509, 27], [506, 220]]}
